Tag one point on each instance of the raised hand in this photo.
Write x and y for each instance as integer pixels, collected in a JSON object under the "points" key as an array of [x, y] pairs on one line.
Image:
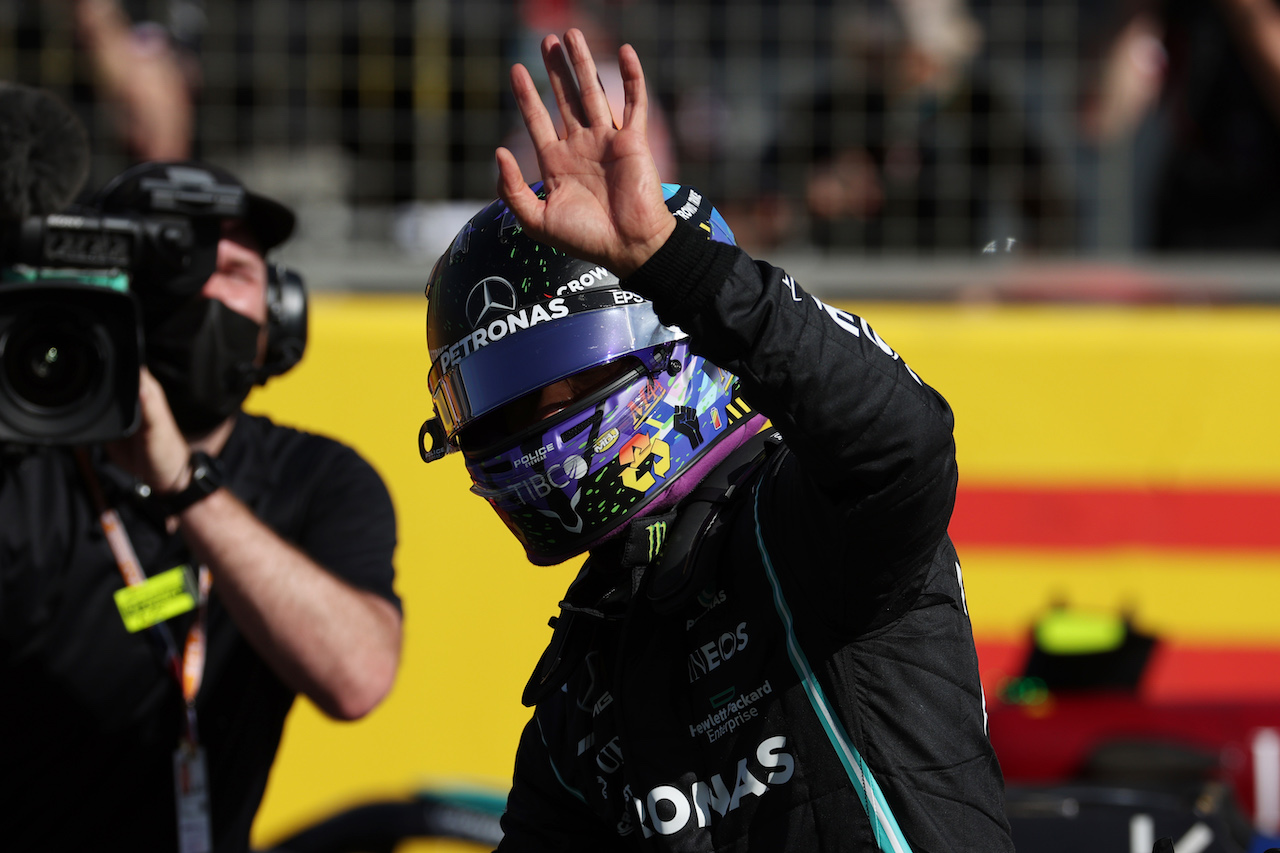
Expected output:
{"points": [[603, 199], [139, 72], [157, 452]]}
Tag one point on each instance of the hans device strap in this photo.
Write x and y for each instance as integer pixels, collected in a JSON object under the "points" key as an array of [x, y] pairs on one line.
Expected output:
{"points": [[690, 546], [695, 537]]}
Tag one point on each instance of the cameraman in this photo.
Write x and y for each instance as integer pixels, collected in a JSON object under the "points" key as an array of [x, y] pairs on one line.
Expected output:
{"points": [[162, 736]]}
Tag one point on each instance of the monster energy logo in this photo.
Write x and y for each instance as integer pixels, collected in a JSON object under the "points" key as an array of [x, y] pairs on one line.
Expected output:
{"points": [[657, 537]]}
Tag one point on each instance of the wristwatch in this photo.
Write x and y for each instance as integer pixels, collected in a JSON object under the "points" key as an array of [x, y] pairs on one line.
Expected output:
{"points": [[207, 477]]}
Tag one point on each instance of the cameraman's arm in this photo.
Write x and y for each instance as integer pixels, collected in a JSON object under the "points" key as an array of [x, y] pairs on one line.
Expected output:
{"points": [[337, 644], [323, 637]]}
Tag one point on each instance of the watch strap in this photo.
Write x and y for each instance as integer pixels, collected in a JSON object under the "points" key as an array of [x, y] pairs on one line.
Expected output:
{"points": [[206, 478]]}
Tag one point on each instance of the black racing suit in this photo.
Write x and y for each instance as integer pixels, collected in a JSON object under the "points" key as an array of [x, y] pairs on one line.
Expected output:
{"points": [[815, 686]]}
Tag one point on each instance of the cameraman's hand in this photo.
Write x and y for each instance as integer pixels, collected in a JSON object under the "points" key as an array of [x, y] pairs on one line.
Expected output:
{"points": [[603, 195], [157, 453], [338, 644]]}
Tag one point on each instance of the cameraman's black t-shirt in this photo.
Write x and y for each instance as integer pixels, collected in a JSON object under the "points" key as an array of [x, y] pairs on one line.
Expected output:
{"points": [[90, 718]]}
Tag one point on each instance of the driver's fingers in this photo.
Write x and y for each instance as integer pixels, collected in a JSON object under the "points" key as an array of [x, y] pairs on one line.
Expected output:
{"points": [[635, 115], [542, 131], [563, 85], [595, 103]]}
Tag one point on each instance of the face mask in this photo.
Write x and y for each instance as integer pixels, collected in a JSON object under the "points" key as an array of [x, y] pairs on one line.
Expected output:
{"points": [[203, 356]]}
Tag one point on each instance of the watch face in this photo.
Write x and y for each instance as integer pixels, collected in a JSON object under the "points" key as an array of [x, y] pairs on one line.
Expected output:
{"points": [[205, 470], [206, 478]]}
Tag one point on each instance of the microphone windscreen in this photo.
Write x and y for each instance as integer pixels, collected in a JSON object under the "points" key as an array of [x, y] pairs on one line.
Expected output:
{"points": [[44, 153]]}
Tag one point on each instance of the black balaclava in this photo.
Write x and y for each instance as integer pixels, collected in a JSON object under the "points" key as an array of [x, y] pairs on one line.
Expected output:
{"points": [[203, 356]]}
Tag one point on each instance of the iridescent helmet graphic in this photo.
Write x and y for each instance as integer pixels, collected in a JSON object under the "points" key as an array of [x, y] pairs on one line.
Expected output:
{"points": [[574, 408]]}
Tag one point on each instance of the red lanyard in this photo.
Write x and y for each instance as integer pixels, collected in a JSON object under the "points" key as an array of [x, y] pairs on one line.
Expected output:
{"points": [[186, 667]]}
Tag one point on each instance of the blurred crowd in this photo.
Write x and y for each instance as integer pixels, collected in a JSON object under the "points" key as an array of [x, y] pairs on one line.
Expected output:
{"points": [[882, 126]]}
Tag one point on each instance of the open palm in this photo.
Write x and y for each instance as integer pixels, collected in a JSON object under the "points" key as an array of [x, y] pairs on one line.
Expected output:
{"points": [[603, 198]]}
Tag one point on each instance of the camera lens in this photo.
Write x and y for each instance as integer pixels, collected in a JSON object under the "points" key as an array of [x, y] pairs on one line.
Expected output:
{"points": [[50, 364], [69, 356]]}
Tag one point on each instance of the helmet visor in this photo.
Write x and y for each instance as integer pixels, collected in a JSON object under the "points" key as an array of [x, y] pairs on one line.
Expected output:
{"points": [[496, 365]]}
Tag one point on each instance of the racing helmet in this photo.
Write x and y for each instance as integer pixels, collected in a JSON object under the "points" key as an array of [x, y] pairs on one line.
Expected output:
{"points": [[575, 409]]}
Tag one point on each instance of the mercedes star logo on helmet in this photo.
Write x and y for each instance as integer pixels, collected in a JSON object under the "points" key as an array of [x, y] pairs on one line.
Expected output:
{"points": [[491, 294]]}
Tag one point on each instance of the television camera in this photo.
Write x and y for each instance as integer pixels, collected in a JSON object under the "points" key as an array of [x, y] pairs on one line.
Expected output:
{"points": [[71, 316]]}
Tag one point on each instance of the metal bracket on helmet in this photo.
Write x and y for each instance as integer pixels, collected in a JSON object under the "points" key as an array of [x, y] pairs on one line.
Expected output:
{"points": [[663, 362], [440, 444]]}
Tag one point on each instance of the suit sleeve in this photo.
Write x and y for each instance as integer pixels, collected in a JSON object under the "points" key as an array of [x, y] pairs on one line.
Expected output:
{"points": [[875, 457], [347, 521]]}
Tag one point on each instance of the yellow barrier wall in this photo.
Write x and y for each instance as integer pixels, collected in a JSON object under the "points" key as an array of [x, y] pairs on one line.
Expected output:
{"points": [[1042, 395]]}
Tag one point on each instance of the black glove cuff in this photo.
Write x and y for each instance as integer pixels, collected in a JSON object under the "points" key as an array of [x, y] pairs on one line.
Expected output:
{"points": [[685, 274]]}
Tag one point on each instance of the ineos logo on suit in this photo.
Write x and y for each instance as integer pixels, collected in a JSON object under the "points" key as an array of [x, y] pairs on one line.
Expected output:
{"points": [[710, 655]]}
